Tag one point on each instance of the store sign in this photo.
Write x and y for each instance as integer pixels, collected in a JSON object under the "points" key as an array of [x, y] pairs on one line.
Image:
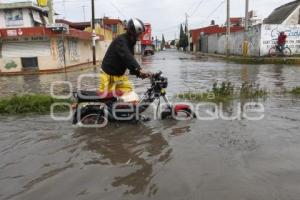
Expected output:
{"points": [[26, 39], [12, 33], [42, 3]]}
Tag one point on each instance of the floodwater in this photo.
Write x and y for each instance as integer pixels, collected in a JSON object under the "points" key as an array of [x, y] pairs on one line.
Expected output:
{"points": [[208, 160]]}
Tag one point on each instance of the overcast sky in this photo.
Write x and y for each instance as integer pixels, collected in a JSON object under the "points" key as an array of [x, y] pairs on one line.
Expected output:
{"points": [[164, 15]]}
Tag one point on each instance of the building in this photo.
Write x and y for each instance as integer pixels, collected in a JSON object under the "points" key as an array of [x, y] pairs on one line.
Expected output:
{"points": [[23, 14], [117, 26], [197, 36], [287, 14], [237, 21], [100, 29], [28, 43]]}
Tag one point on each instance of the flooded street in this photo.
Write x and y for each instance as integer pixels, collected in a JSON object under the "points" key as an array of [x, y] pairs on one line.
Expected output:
{"points": [[208, 160]]}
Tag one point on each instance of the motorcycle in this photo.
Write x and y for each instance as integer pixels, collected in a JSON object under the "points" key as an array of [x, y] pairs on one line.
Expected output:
{"points": [[92, 108]]}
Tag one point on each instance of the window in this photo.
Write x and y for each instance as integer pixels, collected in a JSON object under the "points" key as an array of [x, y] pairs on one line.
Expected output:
{"points": [[114, 28], [14, 17], [29, 63]]}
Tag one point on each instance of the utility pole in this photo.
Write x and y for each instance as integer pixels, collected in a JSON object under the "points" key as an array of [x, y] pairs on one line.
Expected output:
{"points": [[51, 12], [187, 22], [65, 10], [156, 43], [246, 43], [247, 15], [83, 8], [228, 29], [94, 32]]}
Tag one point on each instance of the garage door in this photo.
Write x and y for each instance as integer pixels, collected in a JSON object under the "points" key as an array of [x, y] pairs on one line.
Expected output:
{"points": [[26, 49]]}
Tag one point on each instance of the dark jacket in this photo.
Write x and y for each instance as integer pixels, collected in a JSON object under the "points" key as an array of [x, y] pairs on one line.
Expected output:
{"points": [[120, 56]]}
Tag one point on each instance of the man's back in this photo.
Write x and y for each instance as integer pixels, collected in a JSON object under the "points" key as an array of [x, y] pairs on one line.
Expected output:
{"points": [[120, 56], [282, 39]]}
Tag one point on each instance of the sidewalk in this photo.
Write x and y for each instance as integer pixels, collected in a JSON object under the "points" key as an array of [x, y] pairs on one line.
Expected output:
{"points": [[252, 60]]}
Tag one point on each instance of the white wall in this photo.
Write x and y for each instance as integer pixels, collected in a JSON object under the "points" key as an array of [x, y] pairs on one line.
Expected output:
{"points": [[27, 21], [261, 39], [27, 18], [254, 36], [270, 33], [2, 19], [213, 43]]}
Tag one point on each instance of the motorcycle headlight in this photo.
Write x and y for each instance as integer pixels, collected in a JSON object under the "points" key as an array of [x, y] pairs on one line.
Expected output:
{"points": [[163, 82]]}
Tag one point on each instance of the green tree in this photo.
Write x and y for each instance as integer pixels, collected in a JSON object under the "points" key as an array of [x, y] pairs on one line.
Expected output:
{"points": [[163, 42], [183, 38]]}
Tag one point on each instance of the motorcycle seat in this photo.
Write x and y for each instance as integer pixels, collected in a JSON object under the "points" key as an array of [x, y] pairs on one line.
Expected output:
{"points": [[96, 96]]}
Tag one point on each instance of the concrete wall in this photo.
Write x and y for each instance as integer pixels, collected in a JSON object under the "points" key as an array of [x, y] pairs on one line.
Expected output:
{"points": [[27, 20], [10, 65], [261, 38], [102, 47], [254, 38], [138, 48], [76, 52], [108, 35], [204, 44], [213, 43], [2, 19], [270, 33], [217, 42]]}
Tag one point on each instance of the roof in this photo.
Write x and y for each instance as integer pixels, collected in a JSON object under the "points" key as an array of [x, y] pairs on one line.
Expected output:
{"points": [[280, 14], [28, 4], [78, 25], [235, 19], [43, 31], [109, 21]]}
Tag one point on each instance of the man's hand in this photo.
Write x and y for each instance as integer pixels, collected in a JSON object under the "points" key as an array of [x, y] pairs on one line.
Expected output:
{"points": [[143, 74]]}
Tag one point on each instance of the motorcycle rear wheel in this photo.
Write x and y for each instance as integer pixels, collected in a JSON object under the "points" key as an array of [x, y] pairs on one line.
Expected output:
{"points": [[90, 117]]}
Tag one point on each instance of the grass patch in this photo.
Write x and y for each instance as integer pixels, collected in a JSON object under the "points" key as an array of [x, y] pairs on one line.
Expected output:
{"points": [[295, 91], [252, 91], [225, 92], [30, 103], [264, 60]]}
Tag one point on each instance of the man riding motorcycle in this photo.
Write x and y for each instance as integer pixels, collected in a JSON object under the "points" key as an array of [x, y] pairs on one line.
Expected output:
{"points": [[120, 57]]}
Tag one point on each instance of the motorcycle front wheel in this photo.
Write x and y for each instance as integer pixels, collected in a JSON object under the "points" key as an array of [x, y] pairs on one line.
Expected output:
{"points": [[182, 114], [90, 116]]}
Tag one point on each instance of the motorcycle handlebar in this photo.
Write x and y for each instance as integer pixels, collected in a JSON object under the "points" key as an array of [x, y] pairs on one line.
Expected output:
{"points": [[156, 75]]}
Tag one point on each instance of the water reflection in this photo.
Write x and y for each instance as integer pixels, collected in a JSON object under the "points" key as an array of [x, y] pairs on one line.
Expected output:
{"points": [[140, 152], [278, 75]]}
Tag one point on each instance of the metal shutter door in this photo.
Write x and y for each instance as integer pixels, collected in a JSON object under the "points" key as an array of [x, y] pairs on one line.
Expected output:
{"points": [[25, 49]]}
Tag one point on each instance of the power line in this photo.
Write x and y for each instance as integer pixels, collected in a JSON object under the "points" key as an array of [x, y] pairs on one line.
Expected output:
{"points": [[176, 26], [196, 8], [119, 11], [210, 14]]}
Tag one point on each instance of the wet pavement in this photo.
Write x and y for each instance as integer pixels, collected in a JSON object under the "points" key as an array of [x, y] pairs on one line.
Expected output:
{"points": [[208, 160]]}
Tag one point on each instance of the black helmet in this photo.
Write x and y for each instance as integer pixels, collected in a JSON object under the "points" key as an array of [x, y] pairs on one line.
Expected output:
{"points": [[135, 27]]}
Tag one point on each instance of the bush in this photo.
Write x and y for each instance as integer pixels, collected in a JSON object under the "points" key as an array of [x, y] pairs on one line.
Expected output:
{"points": [[36, 103], [295, 91], [226, 91]]}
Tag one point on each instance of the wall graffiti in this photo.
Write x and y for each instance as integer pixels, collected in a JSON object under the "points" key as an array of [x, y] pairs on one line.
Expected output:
{"points": [[60, 50], [260, 37], [270, 34], [10, 65], [73, 50]]}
